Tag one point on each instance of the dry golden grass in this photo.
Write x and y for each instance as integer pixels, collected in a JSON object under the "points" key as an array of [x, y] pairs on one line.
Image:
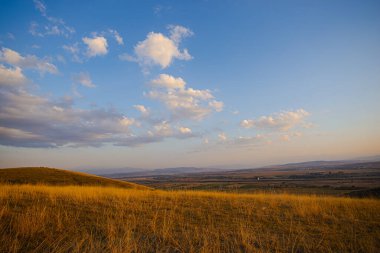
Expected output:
{"points": [[39, 218], [50, 176]]}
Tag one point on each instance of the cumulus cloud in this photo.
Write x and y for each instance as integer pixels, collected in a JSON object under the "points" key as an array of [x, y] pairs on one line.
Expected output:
{"points": [[181, 101], [217, 105], [163, 129], [168, 81], [32, 121], [13, 58], [282, 121], [185, 130], [84, 79], [28, 120], [142, 109], [125, 121], [53, 26], [96, 46], [158, 49], [11, 76]]}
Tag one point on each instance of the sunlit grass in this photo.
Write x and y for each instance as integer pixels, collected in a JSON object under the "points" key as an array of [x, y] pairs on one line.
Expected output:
{"points": [[44, 218]]}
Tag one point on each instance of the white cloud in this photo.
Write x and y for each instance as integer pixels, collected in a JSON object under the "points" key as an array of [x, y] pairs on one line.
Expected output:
{"points": [[185, 130], [84, 79], [247, 123], [117, 36], [217, 105], [96, 46], [142, 109], [222, 137], [28, 120], [158, 49], [282, 121], [163, 129], [33, 121], [11, 76], [125, 121], [168, 81], [181, 101], [13, 58]]}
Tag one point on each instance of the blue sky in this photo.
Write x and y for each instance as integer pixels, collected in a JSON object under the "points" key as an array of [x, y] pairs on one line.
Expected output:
{"points": [[155, 84]]}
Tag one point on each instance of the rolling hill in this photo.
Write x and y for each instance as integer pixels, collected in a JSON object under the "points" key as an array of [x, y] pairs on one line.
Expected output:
{"points": [[50, 176]]}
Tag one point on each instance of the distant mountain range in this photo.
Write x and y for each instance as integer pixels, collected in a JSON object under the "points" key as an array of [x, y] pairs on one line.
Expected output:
{"points": [[134, 172], [138, 172]]}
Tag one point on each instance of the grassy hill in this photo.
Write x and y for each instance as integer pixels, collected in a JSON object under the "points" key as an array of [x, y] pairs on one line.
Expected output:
{"points": [[49, 176]]}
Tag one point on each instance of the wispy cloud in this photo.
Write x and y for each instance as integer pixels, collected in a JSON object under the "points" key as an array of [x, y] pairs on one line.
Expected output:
{"points": [[74, 50], [84, 79], [159, 9], [116, 36], [54, 26]]}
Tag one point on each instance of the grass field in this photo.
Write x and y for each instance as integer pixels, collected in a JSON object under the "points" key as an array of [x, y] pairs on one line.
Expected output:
{"points": [[40, 218]]}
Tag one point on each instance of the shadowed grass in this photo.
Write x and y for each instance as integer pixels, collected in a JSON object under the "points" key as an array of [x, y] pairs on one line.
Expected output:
{"points": [[37, 218]]}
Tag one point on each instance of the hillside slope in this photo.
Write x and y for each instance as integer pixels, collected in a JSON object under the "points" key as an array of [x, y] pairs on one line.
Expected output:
{"points": [[49, 176]]}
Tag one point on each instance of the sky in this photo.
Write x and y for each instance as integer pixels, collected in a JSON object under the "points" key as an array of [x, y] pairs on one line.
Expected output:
{"points": [[155, 84]]}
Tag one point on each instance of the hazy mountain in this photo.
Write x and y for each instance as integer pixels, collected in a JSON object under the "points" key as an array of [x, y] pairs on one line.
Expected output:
{"points": [[162, 172], [105, 171], [139, 172]]}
